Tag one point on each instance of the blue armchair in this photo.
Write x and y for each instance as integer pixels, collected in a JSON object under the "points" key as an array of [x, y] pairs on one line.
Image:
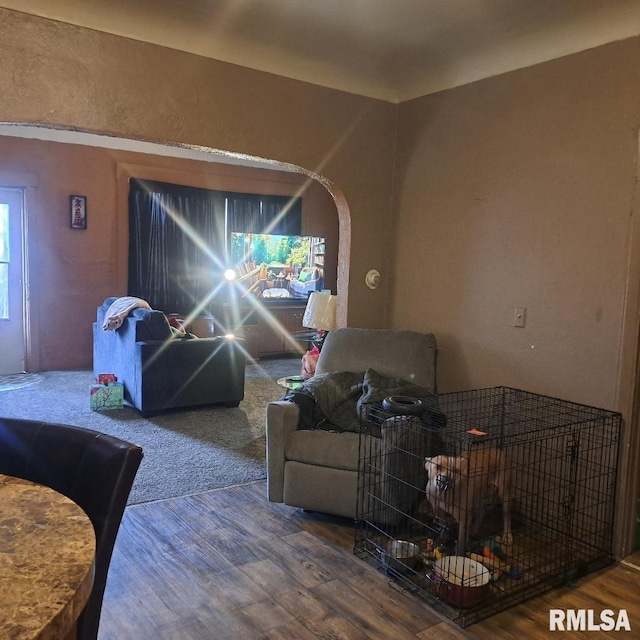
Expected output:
{"points": [[160, 371]]}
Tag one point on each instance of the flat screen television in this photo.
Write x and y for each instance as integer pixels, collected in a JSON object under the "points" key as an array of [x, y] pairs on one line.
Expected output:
{"points": [[277, 266]]}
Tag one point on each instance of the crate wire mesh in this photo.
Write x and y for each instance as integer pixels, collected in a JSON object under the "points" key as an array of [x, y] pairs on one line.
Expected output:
{"points": [[553, 464]]}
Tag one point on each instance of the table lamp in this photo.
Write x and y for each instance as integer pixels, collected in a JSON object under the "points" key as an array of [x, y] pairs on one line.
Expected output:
{"points": [[320, 314]]}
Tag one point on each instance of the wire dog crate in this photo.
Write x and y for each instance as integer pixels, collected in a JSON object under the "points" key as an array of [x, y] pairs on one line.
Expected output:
{"points": [[489, 498]]}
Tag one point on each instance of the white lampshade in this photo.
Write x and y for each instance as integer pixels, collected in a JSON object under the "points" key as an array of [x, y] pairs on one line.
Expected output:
{"points": [[320, 312]]}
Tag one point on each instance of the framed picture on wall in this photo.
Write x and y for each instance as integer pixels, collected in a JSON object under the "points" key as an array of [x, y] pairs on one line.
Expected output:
{"points": [[78, 212]]}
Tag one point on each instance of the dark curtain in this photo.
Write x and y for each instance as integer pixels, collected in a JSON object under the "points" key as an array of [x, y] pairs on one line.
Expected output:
{"points": [[177, 239], [278, 215], [176, 245]]}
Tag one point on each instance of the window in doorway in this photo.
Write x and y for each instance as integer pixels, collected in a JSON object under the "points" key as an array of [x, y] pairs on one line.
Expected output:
{"points": [[4, 261]]}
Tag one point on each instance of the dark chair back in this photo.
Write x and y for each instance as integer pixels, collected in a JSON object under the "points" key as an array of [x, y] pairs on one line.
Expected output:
{"points": [[93, 469]]}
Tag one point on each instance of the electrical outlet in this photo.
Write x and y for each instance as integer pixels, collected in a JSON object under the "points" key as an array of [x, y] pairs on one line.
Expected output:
{"points": [[520, 317]]}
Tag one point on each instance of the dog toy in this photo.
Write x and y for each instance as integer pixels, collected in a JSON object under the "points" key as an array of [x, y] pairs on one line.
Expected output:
{"points": [[495, 562], [429, 549], [494, 545], [494, 550]]}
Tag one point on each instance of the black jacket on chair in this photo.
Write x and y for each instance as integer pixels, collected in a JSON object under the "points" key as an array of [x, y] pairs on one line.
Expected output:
{"points": [[93, 469], [160, 371]]}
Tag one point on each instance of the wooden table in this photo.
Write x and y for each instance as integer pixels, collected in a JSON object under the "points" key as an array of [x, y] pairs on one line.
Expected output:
{"points": [[47, 551]]}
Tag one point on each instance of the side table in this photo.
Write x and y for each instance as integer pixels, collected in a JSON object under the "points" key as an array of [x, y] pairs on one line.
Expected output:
{"points": [[306, 335]]}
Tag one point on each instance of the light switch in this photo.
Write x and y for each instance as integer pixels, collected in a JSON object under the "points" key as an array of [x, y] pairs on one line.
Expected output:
{"points": [[520, 317]]}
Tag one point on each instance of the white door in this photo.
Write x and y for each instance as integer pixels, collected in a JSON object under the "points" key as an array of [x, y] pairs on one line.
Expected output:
{"points": [[12, 347]]}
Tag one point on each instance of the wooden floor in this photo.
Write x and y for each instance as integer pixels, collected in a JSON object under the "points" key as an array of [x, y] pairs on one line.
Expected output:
{"points": [[227, 564]]}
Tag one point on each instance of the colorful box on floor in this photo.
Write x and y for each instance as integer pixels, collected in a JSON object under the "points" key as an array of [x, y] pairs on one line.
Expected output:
{"points": [[107, 396]]}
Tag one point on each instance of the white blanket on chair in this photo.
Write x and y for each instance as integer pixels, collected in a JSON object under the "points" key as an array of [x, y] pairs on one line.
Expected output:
{"points": [[119, 309]]}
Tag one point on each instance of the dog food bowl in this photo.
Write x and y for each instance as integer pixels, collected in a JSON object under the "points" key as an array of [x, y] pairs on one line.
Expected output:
{"points": [[460, 581], [401, 556]]}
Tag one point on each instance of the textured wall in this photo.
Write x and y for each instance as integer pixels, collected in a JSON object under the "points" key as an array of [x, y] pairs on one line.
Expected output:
{"points": [[516, 192], [66, 76]]}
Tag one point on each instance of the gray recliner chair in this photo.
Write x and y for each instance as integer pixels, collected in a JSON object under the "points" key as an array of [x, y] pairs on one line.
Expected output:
{"points": [[318, 470]]}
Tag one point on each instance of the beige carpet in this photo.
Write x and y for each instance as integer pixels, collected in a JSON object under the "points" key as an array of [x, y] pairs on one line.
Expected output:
{"points": [[185, 451]]}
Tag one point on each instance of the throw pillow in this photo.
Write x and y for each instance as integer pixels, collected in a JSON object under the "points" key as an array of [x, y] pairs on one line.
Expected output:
{"points": [[304, 276]]}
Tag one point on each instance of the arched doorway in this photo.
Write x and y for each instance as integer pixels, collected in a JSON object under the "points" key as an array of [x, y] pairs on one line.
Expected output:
{"points": [[79, 261]]}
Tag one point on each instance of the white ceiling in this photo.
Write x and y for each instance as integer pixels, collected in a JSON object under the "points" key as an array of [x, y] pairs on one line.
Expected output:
{"points": [[394, 50]]}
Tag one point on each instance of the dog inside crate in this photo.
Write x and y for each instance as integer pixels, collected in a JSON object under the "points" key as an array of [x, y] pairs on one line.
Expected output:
{"points": [[454, 487], [467, 489]]}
